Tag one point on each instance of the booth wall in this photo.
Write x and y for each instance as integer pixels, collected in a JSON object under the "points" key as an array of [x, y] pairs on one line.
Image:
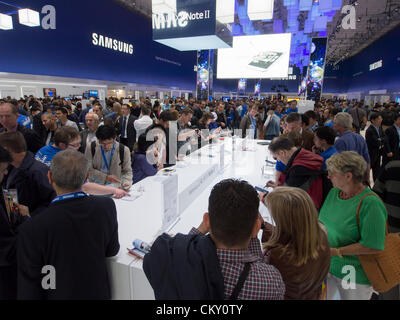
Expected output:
{"points": [[68, 51]]}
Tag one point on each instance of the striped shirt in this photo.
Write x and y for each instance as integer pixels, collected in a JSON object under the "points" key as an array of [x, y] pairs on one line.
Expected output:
{"points": [[387, 186], [264, 281]]}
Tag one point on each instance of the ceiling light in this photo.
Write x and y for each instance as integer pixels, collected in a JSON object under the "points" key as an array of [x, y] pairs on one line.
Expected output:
{"points": [[6, 22], [29, 17]]}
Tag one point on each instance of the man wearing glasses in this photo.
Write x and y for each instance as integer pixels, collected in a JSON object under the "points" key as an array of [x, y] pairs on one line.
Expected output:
{"points": [[110, 161]]}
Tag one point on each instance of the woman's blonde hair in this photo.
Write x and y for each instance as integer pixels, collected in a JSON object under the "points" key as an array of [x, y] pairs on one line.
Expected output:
{"points": [[348, 161], [297, 233]]}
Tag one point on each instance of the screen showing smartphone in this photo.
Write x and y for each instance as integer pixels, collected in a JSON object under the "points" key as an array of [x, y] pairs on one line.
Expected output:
{"points": [[265, 59], [137, 253]]}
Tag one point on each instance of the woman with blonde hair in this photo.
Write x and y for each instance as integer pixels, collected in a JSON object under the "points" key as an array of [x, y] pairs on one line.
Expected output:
{"points": [[346, 236], [297, 246]]}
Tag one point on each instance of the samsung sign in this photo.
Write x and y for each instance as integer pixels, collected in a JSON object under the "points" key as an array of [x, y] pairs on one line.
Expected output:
{"points": [[180, 20], [112, 44]]}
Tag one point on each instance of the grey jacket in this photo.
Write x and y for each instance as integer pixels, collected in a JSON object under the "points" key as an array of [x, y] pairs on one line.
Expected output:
{"points": [[124, 174]]}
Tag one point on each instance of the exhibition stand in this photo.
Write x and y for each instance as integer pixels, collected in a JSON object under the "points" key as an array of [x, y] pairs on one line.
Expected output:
{"points": [[174, 201]]}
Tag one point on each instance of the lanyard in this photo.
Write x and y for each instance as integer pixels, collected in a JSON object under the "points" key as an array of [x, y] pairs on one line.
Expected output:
{"points": [[70, 196], [108, 165]]}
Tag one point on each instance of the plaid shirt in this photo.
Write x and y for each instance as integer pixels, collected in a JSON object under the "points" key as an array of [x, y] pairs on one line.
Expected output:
{"points": [[264, 281]]}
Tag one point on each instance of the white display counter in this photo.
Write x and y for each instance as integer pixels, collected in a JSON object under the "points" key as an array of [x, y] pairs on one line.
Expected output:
{"points": [[197, 174]]}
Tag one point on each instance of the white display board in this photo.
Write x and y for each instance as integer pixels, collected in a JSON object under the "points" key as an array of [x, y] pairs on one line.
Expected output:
{"points": [[305, 105]]}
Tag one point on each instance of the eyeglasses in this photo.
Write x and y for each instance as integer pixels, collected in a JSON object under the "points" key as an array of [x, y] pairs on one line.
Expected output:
{"points": [[105, 144], [75, 145]]}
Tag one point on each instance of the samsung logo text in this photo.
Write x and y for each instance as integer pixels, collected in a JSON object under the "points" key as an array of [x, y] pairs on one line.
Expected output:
{"points": [[110, 43]]}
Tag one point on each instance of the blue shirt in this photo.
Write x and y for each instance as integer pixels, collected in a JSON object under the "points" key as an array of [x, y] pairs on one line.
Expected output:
{"points": [[46, 154], [329, 124], [351, 141], [327, 154], [280, 166], [141, 168], [290, 110], [253, 125], [24, 121]]}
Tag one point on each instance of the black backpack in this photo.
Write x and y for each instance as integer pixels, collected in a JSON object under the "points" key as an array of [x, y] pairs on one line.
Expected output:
{"points": [[121, 152]]}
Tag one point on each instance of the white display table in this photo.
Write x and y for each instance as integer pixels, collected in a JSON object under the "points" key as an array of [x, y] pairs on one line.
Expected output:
{"points": [[197, 175]]}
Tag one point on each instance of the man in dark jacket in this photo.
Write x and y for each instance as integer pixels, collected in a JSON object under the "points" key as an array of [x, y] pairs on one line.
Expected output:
{"points": [[27, 175], [375, 139], [8, 119], [392, 134], [125, 128], [74, 236], [200, 267], [9, 224], [303, 168]]}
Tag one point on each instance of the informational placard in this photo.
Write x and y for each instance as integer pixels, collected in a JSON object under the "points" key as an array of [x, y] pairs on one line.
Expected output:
{"points": [[170, 200], [222, 157]]}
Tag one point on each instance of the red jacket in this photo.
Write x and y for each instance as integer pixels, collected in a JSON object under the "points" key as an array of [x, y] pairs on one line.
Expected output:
{"points": [[304, 171]]}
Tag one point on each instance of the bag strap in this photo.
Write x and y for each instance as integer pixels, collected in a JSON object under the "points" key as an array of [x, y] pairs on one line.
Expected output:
{"points": [[241, 281], [121, 154], [359, 208]]}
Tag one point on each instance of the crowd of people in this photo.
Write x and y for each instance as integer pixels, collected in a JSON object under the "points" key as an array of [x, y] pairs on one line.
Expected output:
{"points": [[57, 159]]}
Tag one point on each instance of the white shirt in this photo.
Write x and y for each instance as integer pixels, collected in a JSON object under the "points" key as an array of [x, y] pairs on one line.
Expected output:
{"points": [[124, 131], [141, 125]]}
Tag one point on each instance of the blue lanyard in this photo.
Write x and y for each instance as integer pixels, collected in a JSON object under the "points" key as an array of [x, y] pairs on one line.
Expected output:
{"points": [[70, 196], [108, 165]]}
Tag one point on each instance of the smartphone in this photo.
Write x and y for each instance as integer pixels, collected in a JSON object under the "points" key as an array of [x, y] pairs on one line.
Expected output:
{"points": [[260, 189], [265, 59], [137, 253]]}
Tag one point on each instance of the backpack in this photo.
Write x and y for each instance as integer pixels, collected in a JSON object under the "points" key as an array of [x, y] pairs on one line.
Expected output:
{"points": [[121, 152]]}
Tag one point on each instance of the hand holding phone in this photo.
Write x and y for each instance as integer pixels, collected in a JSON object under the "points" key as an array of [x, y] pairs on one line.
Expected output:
{"points": [[136, 253]]}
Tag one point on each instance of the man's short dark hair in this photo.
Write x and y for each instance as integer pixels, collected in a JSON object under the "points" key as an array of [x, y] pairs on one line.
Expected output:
{"points": [[13, 141], [293, 117], [13, 107], [327, 134], [281, 143], [5, 156], [105, 133], [63, 110], [233, 208], [311, 114], [305, 119], [65, 135], [166, 116], [374, 116]]}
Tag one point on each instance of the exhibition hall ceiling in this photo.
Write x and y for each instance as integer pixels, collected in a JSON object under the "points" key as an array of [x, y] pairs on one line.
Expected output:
{"points": [[374, 18]]}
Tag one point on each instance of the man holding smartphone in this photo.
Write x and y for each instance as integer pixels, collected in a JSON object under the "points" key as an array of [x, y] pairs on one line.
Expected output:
{"points": [[110, 161]]}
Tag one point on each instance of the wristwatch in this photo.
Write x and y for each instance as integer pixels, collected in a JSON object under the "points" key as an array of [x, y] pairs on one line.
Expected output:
{"points": [[339, 253]]}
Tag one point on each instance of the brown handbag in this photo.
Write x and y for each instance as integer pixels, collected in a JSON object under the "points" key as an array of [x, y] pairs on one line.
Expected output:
{"points": [[383, 268]]}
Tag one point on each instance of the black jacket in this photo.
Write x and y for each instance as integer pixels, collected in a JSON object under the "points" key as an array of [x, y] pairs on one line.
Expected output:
{"points": [[185, 267], [33, 141], [392, 143], [375, 143], [39, 128], [75, 236], [32, 184], [130, 131]]}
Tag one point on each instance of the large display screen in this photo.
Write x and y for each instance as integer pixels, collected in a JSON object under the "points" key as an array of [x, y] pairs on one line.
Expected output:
{"points": [[242, 85], [316, 69], [255, 57]]}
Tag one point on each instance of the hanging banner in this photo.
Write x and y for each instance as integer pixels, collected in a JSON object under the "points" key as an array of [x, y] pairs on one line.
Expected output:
{"points": [[316, 69]]}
